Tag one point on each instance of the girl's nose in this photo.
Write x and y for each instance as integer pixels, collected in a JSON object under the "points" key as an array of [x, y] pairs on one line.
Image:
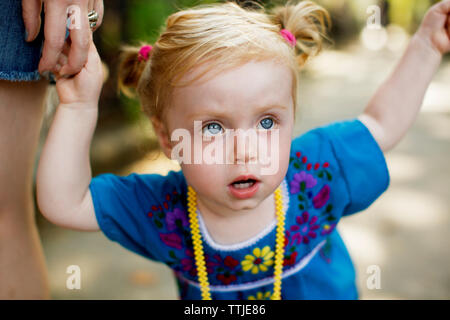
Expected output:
{"points": [[245, 146]]}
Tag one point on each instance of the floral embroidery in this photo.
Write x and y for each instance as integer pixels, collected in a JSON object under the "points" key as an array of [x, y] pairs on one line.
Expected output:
{"points": [[188, 263], [226, 278], [229, 271], [304, 228], [184, 264], [212, 263], [230, 262], [172, 240], [290, 258], [176, 218], [261, 296], [158, 214], [304, 181], [322, 197], [259, 261], [327, 229], [173, 220], [311, 195], [302, 164], [301, 181]]}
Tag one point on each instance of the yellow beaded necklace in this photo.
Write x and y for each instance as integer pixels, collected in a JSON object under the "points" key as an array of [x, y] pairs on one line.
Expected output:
{"points": [[198, 245]]}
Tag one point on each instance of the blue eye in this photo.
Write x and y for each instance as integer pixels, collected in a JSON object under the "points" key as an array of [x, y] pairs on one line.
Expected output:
{"points": [[267, 123], [212, 128]]}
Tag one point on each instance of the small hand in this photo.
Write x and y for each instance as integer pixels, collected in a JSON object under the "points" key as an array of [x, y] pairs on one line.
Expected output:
{"points": [[83, 89], [55, 30], [435, 27]]}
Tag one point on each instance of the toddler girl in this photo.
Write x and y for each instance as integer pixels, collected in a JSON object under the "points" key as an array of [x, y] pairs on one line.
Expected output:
{"points": [[227, 230]]}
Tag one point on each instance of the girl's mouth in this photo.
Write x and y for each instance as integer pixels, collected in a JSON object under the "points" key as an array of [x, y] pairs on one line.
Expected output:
{"points": [[244, 188], [244, 184]]}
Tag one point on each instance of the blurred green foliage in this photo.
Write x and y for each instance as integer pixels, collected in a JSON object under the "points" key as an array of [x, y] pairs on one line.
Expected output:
{"points": [[145, 18], [408, 13]]}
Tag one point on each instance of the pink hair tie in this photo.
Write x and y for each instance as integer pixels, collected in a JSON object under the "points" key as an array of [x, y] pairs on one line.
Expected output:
{"points": [[144, 52], [289, 37]]}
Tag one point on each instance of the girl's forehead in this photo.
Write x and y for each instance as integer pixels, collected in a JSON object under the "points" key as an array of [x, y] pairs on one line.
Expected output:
{"points": [[251, 86]]}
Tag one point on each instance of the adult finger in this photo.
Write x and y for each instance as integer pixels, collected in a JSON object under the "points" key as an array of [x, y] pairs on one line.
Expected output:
{"points": [[62, 59], [80, 38], [444, 6], [54, 33], [94, 59], [98, 7], [31, 14], [448, 32], [66, 49]]}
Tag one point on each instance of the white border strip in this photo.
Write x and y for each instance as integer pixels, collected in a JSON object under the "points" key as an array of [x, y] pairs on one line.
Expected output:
{"points": [[263, 282]]}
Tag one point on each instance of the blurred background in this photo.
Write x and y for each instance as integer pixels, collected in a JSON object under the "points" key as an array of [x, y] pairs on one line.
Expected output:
{"points": [[405, 233]]}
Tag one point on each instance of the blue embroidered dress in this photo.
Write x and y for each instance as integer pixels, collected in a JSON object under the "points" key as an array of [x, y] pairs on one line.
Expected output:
{"points": [[335, 170]]}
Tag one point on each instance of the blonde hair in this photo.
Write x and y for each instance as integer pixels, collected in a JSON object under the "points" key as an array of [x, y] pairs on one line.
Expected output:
{"points": [[229, 36]]}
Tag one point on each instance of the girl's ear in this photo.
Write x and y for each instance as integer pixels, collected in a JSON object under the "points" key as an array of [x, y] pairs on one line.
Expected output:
{"points": [[162, 135]]}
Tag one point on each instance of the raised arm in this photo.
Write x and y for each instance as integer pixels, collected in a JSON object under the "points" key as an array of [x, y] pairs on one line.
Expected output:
{"points": [[395, 105], [64, 171]]}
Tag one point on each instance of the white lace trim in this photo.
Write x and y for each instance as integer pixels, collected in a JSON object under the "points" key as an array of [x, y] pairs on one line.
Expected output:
{"points": [[249, 242]]}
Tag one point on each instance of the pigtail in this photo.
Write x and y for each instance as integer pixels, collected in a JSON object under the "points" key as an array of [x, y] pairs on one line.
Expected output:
{"points": [[131, 67], [308, 22]]}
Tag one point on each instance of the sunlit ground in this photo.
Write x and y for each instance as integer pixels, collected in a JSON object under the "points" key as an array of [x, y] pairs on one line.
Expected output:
{"points": [[405, 232]]}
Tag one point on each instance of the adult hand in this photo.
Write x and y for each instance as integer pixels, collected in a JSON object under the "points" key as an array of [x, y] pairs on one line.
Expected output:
{"points": [[55, 30]]}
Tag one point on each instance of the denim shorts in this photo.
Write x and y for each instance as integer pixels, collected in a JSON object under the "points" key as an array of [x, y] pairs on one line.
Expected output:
{"points": [[19, 59]]}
